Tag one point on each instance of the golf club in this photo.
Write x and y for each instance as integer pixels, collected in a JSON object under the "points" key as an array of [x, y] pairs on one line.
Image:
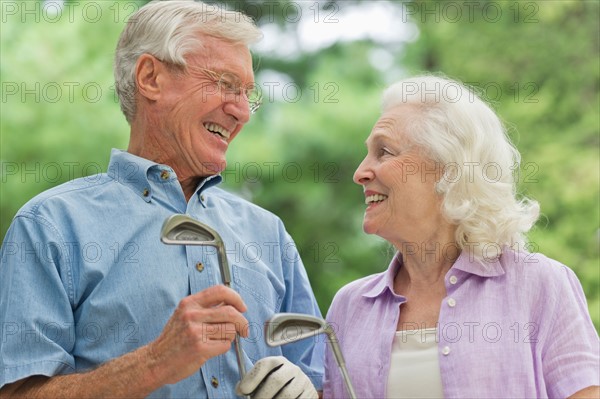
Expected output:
{"points": [[284, 328], [183, 230]]}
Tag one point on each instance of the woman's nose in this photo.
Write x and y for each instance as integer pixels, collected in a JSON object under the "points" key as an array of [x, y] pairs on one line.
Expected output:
{"points": [[363, 173]]}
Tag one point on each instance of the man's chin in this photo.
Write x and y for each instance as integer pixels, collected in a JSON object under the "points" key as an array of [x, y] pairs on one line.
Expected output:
{"points": [[213, 168]]}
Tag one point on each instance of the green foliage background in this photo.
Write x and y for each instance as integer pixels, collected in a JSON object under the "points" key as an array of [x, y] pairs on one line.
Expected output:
{"points": [[537, 62]]}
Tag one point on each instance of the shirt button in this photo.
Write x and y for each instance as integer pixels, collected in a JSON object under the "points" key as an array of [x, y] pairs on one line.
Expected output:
{"points": [[199, 266], [446, 351], [146, 192], [164, 175], [451, 302], [214, 382], [202, 198], [453, 280]]}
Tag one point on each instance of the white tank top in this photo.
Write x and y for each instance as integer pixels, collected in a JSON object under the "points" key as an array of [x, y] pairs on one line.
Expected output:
{"points": [[415, 367]]}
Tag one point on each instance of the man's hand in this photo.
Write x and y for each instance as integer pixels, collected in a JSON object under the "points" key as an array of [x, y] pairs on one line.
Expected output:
{"points": [[203, 326], [276, 377]]}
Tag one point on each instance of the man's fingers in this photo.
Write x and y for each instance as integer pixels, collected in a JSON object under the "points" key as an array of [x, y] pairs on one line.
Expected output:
{"points": [[217, 295], [220, 315], [220, 331], [203, 326], [215, 305]]}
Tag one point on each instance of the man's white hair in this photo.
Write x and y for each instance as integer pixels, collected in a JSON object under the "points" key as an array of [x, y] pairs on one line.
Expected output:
{"points": [[169, 30]]}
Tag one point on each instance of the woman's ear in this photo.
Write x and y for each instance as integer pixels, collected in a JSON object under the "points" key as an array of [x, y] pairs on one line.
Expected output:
{"points": [[148, 76]]}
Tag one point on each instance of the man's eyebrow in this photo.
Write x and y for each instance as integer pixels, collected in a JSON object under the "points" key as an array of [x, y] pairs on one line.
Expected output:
{"points": [[237, 77]]}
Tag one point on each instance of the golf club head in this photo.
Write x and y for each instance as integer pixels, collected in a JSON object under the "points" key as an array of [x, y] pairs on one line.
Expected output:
{"points": [[285, 328], [183, 230]]}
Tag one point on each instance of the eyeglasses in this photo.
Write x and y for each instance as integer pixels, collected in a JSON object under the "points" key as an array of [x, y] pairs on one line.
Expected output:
{"points": [[230, 83]]}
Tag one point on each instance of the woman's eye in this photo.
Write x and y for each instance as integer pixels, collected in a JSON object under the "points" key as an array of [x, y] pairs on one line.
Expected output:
{"points": [[384, 151]]}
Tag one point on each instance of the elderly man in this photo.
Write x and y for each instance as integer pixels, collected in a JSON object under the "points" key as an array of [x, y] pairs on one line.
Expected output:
{"points": [[141, 318]]}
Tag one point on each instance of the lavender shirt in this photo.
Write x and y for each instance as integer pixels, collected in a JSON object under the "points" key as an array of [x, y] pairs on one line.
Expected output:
{"points": [[517, 327]]}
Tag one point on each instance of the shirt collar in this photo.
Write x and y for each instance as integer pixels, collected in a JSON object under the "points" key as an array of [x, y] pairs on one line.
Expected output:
{"points": [[465, 262], [207, 183], [137, 173], [485, 268], [385, 281]]}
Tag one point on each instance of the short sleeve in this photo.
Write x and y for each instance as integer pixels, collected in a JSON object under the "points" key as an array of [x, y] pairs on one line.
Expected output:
{"points": [[571, 348], [38, 331]]}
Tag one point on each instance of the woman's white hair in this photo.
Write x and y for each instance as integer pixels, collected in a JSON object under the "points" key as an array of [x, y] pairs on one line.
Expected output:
{"points": [[169, 30], [461, 133]]}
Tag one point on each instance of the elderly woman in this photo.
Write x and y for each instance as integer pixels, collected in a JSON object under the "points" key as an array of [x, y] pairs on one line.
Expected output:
{"points": [[463, 309]]}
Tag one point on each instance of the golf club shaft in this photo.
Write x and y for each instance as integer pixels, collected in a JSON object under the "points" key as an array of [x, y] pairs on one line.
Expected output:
{"points": [[226, 277], [339, 358], [349, 386], [237, 344], [240, 360], [240, 356]]}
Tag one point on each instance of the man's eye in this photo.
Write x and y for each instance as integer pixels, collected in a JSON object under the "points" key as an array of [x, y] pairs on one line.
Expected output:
{"points": [[228, 84]]}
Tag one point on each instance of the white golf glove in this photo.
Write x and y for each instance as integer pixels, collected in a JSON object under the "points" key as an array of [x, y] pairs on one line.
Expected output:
{"points": [[276, 377]]}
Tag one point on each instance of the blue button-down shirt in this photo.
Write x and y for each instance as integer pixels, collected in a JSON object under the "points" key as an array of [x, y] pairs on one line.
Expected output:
{"points": [[84, 277]]}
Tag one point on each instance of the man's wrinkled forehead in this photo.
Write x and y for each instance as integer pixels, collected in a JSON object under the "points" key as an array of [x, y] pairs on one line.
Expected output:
{"points": [[220, 54]]}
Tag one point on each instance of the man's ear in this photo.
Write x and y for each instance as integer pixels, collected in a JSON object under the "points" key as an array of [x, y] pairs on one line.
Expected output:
{"points": [[149, 73]]}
